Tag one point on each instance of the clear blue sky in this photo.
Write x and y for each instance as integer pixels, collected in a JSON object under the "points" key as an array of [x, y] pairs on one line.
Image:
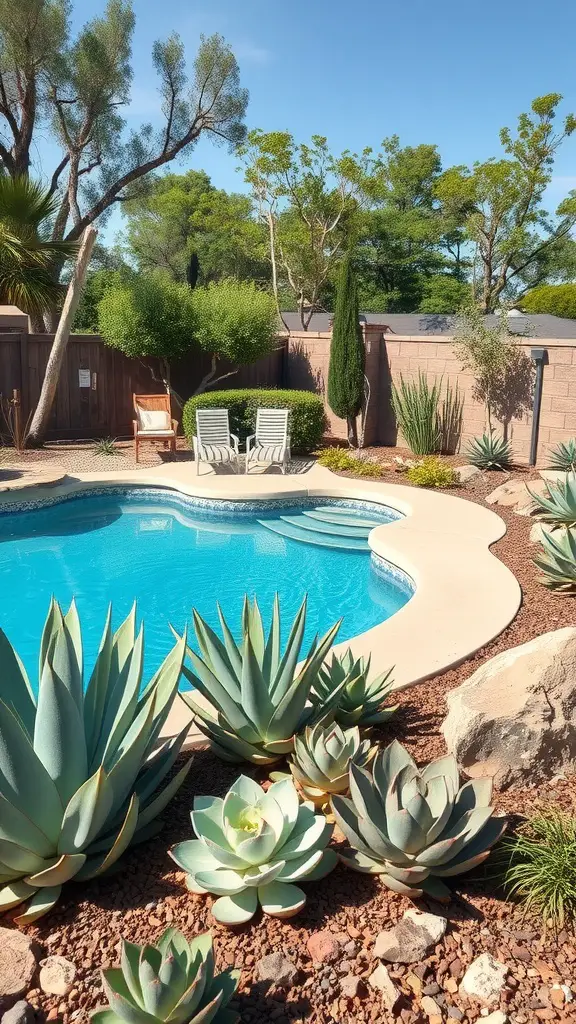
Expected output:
{"points": [[449, 73]]}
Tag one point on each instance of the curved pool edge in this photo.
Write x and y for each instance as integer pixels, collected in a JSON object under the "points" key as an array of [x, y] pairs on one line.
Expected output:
{"points": [[464, 595]]}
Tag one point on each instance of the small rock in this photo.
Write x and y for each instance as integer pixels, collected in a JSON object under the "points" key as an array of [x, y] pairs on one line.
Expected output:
{"points": [[20, 1013], [323, 947], [409, 940], [455, 1013], [350, 986], [467, 473], [484, 979], [56, 975], [17, 963], [430, 1007], [568, 993], [497, 1017], [277, 969], [382, 982]]}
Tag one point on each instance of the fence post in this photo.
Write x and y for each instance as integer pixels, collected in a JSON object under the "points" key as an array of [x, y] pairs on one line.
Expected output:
{"points": [[24, 374]]}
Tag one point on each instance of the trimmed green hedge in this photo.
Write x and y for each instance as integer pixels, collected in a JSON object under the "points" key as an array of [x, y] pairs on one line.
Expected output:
{"points": [[557, 299], [307, 419]]}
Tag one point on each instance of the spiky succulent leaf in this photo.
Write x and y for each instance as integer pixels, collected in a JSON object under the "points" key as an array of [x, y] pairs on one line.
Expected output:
{"points": [[78, 780], [251, 846], [172, 982], [412, 826], [320, 761], [558, 506], [563, 456], [489, 452], [361, 700], [255, 700], [557, 561]]}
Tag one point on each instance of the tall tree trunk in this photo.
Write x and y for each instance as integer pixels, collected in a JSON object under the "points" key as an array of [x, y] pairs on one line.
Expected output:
{"points": [[352, 431], [50, 383]]}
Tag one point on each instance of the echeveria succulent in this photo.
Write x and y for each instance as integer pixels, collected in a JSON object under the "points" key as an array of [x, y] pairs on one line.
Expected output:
{"points": [[170, 983], [320, 761], [80, 768], [413, 827], [252, 846], [256, 698]]}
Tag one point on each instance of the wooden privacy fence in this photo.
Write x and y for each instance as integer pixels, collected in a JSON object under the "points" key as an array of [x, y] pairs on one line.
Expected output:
{"points": [[94, 395]]}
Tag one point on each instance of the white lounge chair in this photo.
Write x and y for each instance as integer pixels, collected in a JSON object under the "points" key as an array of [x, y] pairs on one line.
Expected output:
{"points": [[271, 442], [213, 442]]}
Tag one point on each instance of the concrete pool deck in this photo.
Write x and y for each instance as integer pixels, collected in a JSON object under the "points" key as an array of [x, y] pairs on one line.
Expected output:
{"points": [[464, 595]]}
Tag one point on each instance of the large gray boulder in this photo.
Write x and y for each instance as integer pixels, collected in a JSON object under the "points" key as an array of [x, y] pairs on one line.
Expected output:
{"points": [[515, 718]]}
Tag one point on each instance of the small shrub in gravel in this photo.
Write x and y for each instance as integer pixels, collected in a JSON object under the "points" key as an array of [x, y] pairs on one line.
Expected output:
{"points": [[432, 472], [542, 866]]}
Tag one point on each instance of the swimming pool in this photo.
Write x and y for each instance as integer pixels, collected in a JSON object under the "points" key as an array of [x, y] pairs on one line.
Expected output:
{"points": [[172, 553]]}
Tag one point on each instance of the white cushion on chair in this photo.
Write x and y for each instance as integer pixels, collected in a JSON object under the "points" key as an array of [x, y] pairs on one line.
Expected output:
{"points": [[150, 420], [268, 453], [155, 433], [216, 453]]}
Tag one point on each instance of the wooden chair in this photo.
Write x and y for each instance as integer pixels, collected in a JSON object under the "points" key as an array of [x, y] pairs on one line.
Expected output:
{"points": [[271, 442], [213, 442], [154, 421]]}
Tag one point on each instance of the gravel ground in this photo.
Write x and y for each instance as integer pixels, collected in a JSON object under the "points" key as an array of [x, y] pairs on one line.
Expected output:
{"points": [[148, 894]]}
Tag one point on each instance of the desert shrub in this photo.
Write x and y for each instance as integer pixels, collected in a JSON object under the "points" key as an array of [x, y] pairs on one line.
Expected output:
{"points": [[235, 320], [307, 419], [557, 299], [432, 472], [429, 421], [542, 866], [341, 461]]}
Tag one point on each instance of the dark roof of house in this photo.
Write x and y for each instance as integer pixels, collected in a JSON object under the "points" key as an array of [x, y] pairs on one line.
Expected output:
{"points": [[536, 325]]}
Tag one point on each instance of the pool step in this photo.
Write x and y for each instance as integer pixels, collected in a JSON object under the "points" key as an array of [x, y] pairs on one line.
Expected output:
{"points": [[344, 519], [307, 536], [320, 526]]}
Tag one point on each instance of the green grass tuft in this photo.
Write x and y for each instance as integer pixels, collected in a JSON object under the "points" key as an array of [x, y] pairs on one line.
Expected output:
{"points": [[542, 866]]}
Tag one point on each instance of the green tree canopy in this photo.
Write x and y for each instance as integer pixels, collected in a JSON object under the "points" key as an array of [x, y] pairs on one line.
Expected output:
{"points": [[502, 200], [557, 299], [72, 87], [182, 214]]}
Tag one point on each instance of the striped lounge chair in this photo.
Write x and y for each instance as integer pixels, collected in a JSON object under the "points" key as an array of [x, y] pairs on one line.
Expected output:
{"points": [[271, 442], [213, 442]]}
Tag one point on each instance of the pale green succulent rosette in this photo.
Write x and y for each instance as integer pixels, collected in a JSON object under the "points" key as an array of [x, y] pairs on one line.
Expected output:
{"points": [[413, 827], [80, 770], [489, 452], [170, 983], [563, 456], [557, 561], [256, 698], [558, 506], [252, 846], [361, 700], [321, 759]]}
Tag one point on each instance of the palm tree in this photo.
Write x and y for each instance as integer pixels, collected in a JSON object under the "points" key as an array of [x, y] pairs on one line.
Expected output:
{"points": [[27, 255]]}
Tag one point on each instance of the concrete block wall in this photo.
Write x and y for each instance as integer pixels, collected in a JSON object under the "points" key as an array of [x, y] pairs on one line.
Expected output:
{"points": [[388, 356]]}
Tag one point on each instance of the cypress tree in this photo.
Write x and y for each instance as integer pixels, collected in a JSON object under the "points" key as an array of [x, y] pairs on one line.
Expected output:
{"points": [[346, 369]]}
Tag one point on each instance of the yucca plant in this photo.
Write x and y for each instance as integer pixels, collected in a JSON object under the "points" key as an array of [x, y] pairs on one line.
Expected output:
{"points": [[344, 684], [257, 699], [557, 560], [252, 846], [563, 456], [489, 452], [321, 759], [413, 827], [172, 982], [558, 506], [106, 446], [80, 769], [415, 405]]}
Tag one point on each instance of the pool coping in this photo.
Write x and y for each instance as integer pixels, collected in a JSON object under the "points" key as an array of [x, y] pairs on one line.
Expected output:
{"points": [[464, 595]]}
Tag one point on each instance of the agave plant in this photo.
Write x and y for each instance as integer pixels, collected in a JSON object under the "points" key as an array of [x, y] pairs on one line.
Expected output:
{"points": [[321, 759], [79, 770], [415, 827], [557, 561], [252, 846], [360, 700], [489, 452], [558, 506], [257, 699], [563, 456], [171, 982]]}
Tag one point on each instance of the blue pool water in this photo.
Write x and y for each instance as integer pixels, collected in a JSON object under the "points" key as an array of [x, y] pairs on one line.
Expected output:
{"points": [[171, 556]]}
